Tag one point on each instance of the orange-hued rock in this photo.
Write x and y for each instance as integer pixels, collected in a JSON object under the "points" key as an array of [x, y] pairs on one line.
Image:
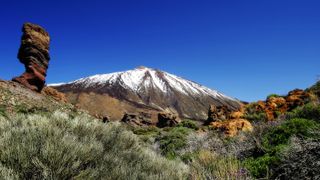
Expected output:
{"points": [[237, 114], [229, 122], [232, 127], [274, 106], [218, 113], [277, 103], [260, 106], [34, 54], [297, 98], [49, 91]]}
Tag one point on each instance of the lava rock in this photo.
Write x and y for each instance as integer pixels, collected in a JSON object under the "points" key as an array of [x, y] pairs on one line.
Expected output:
{"points": [[49, 91], [167, 120], [34, 54], [137, 119], [232, 127], [218, 113]]}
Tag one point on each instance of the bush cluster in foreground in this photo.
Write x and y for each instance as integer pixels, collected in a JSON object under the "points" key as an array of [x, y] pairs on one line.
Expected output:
{"points": [[276, 141], [57, 146]]}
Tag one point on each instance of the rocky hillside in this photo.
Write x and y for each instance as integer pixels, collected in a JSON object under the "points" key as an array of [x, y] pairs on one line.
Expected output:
{"points": [[16, 98], [143, 89]]}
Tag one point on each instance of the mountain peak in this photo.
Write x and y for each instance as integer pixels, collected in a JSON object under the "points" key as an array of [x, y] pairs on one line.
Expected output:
{"points": [[154, 89], [142, 67]]}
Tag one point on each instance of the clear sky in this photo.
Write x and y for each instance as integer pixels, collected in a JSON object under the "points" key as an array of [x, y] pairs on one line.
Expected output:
{"points": [[244, 48]]}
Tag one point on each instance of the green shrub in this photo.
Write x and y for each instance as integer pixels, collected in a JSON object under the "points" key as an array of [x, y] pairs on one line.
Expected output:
{"points": [[259, 167], [26, 109], [59, 147], [146, 134], [280, 135], [149, 131], [207, 165], [275, 141], [273, 95], [172, 141], [256, 117], [300, 160], [309, 111], [7, 174], [315, 89], [188, 124], [2, 110], [251, 109]]}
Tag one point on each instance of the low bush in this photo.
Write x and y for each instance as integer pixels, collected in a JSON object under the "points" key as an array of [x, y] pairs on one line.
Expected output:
{"points": [[207, 165], [25, 109], [59, 147], [251, 108], [275, 141], [315, 89], [188, 124], [262, 116], [260, 167], [280, 135], [273, 95], [300, 160], [309, 111], [146, 134], [2, 110], [172, 140], [148, 131]]}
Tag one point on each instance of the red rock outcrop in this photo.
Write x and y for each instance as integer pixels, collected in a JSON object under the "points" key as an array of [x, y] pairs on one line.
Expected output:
{"points": [[34, 54]]}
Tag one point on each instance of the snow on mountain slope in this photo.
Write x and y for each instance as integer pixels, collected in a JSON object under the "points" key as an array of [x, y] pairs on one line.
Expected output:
{"points": [[140, 77], [155, 89]]}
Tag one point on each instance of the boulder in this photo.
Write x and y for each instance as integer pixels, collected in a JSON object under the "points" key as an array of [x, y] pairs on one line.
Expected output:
{"points": [[49, 91], [218, 113], [297, 98], [232, 127], [34, 54], [103, 118], [237, 114], [137, 119], [167, 120]]}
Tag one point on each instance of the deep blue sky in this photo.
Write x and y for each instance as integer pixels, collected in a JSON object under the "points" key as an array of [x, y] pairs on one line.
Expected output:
{"points": [[246, 49]]}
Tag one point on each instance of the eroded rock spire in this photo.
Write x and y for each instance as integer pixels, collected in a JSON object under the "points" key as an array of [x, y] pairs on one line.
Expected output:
{"points": [[34, 54]]}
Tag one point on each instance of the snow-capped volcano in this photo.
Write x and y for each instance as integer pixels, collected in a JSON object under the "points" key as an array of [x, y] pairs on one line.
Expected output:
{"points": [[152, 89]]}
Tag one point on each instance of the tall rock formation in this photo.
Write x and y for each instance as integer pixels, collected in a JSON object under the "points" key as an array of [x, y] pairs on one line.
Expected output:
{"points": [[34, 54]]}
